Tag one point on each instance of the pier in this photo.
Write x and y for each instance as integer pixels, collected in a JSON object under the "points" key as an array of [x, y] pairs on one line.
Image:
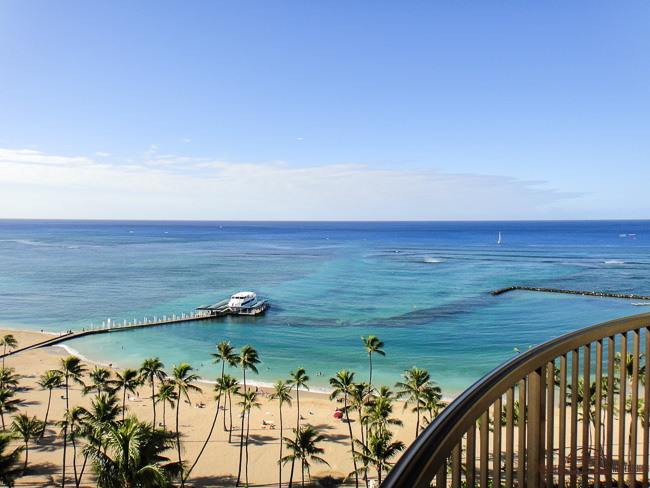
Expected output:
{"points": [[203, 313], [571, 292]]}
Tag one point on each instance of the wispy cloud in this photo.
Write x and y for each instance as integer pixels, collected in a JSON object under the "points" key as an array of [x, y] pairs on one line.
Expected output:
{"points": [[204, 188]]}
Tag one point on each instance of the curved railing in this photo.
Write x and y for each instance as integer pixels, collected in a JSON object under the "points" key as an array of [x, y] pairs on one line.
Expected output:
{"points": [[522, 424]]}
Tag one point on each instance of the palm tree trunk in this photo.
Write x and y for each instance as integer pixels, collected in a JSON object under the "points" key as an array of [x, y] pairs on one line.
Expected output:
{"points": [[124, 404], [2, 417], [298, 402], [153, 401], [248, 428], [230, 414], [65, 445], [74, 459], [241, 449], [417, 423], [178, 434], [291, 474], [26, 455], [279, 463], [347, 417], [214, 422], [47, 411], [164, 416], [302, 472]]}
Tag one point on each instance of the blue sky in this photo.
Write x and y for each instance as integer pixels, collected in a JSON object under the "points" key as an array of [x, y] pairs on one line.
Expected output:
{"points": [[324, 110]]}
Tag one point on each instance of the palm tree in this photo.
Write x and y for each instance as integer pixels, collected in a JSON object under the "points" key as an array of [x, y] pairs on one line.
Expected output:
{"points": [[150, 371], [183, 378], [299, 379], [8, 378], [101, 381], [127, 382], [358, 398], [281, 393], [247, 360], [229, 386], [26, 429], [8, 341], [8, 471], [134, 456], [71, 368], [379, 451], [249, 400], [166, 394], [373, 345], [73, 426], [7, 403], [104, 411], [304, 449], [343, 384], [50, 379], [417, 381], [225, 355], [378, 415], [431, 402]]}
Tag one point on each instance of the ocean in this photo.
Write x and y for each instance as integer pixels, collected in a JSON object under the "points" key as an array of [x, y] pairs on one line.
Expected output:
{"points": [[422, 287]]}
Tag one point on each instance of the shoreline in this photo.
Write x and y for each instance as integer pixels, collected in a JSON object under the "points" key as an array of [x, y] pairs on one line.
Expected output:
{"points": [[219, 464]]}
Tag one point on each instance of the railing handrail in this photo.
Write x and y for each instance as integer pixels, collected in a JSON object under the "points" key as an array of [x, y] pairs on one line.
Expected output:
{"points": [[420, 462]]}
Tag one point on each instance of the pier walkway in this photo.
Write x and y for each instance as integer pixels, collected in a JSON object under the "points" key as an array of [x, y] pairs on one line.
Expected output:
{"points": [[116, 327], [571, 292]]}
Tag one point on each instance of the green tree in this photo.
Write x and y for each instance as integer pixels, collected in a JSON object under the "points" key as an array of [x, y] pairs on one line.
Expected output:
{"points": [[103, 413], [127, 382], [416, 382], [7, 403], [166, 395], [150, 371], [73, 426], [248, 358], [182, 378], [100, 379], [373, 345], [249, 401], [432, 403], [134, 456], [8, 341], [304, 448], [378, 453], [8, 461], [228, 386], [27, 429], [226, 356], [378, 414], [343, 384], [8, 378], [49, 380], [299, 379], [281, 393]]}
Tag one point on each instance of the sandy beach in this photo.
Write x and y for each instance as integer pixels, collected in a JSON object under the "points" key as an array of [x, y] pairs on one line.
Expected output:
{"points": [[219, 464]]}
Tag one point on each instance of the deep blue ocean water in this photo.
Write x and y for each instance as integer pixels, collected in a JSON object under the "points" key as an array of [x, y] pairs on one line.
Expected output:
{"points": [[422, 287]]}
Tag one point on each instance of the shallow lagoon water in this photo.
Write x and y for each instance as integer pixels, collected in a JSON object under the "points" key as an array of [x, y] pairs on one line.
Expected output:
{"points": [[423, 288]]}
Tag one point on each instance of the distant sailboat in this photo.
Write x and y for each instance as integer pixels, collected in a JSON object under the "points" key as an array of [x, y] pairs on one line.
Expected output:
{"points": [[499, 242]]}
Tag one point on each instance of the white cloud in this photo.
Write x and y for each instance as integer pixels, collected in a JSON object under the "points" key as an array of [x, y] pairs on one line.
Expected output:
{"points": [[186, 140], [103, 154], [187, 188]]}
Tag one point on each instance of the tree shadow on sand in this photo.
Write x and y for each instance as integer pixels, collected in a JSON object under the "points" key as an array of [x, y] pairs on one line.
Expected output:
{"points": [[211, 481]]}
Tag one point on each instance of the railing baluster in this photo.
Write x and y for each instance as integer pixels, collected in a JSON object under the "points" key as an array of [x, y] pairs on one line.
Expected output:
{"points": [[550, 422], [496, 444], [521, 427], [622, 395], [535, 429], [646, 414], [441, 476], [484, 435], [634, 417], [598, 413], [510, 436], [455, 466], [561, 455], [611, 346], [470, 465], [573, 429], [586, 413]]}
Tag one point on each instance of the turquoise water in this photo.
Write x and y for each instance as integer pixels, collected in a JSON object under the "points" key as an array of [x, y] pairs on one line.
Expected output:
{"points": [[423, 288]]}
